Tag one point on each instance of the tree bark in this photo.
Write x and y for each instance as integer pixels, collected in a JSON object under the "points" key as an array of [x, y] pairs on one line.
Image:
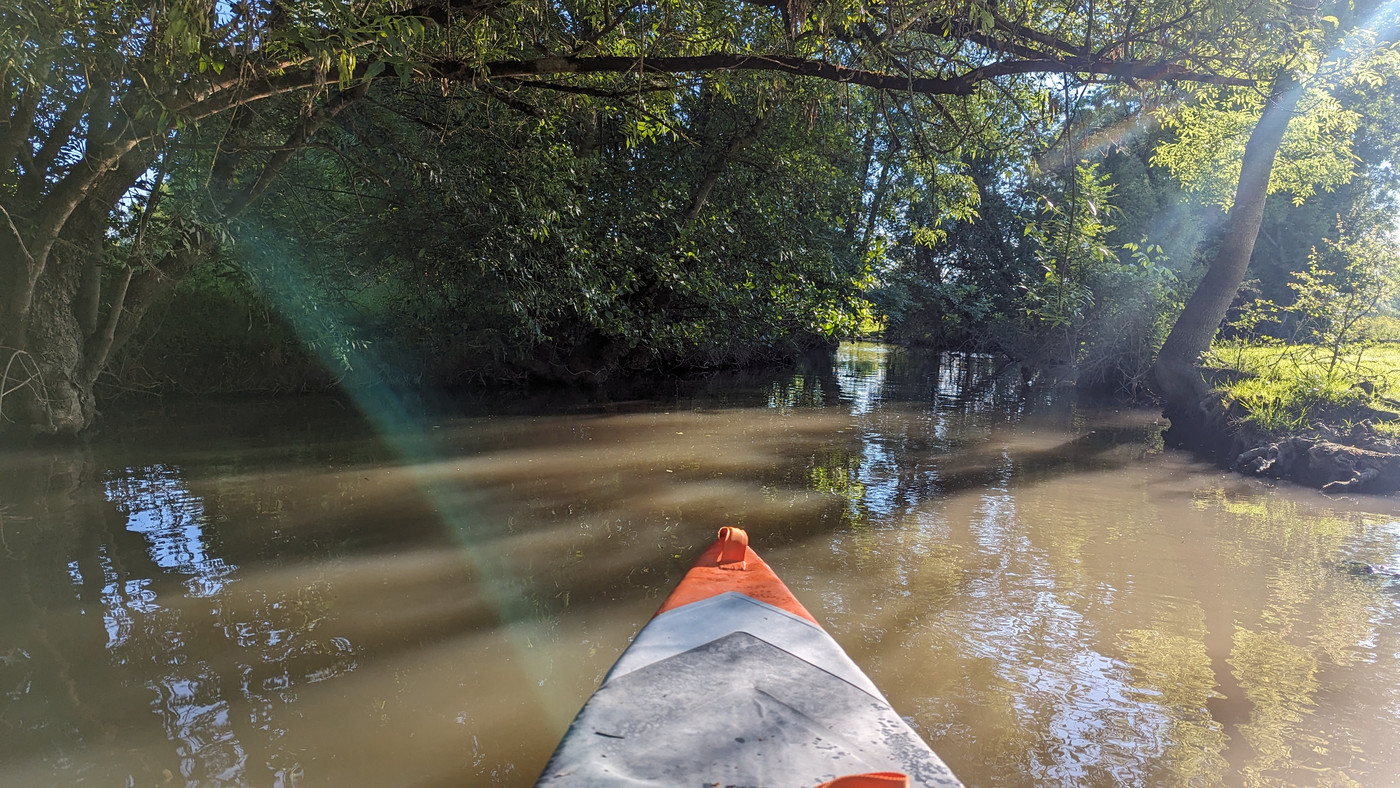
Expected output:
{"points": [[1174, 374], [717, 165]]}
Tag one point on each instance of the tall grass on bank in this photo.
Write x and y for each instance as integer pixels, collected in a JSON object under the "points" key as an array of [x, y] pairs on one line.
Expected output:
{"points": [[1288, 387]]}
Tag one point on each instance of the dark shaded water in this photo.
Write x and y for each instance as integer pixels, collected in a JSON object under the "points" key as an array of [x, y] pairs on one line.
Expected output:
{"points": [[304, 594]]}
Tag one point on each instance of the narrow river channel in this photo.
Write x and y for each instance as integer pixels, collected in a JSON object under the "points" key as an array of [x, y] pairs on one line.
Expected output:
{"points": [[313, 593]]}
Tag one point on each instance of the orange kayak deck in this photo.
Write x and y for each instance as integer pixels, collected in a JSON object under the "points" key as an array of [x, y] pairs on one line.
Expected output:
{"points": [[734, 683], [731, 565]]}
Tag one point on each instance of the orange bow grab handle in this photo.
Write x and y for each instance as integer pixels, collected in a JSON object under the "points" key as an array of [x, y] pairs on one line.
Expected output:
{"points": [[871, 780], [731, 565]]}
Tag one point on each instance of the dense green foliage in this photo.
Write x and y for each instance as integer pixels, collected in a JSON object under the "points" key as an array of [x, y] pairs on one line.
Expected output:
{"points": [[1088, 273], [563, 242], [449, 192]]}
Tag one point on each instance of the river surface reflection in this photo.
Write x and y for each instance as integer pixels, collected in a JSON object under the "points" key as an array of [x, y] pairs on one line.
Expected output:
{"points": [[286, 594]]}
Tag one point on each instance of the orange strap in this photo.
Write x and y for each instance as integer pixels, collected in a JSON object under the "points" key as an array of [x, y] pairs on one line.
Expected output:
{"points": [[871, 780]]}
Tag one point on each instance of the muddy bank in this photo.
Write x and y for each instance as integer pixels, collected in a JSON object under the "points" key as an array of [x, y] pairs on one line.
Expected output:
{"points": [[1342, 453]]}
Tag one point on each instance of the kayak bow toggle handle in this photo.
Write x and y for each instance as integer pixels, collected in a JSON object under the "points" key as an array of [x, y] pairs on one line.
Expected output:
{"points": [[733, 548], [870, 780]]}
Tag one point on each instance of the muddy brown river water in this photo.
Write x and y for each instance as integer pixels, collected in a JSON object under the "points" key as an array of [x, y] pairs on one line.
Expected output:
{"points": [[328, 593]]}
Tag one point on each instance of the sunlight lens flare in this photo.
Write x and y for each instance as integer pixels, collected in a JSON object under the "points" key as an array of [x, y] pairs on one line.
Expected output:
{"points": [[398, 417]]}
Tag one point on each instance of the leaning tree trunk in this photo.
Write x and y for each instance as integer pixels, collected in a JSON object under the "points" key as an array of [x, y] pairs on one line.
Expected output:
{"points": [[1175, 376]]}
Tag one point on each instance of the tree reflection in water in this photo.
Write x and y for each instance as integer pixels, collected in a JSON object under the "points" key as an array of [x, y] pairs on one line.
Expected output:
{"points": [[218, 664], [275, 643], [1072, 607], [1047, 593], [157, 506]]}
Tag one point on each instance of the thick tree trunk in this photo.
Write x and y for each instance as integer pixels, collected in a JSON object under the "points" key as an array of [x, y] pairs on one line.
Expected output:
{"points": [[54, 339], [1174, 374]]}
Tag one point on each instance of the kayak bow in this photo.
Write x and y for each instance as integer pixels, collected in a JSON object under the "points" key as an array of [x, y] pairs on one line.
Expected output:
{"points": [[733, 683]]}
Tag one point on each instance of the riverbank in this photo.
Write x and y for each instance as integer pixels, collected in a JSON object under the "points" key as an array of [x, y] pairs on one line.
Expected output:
{"points": [[1323, 417], [218, 339]]}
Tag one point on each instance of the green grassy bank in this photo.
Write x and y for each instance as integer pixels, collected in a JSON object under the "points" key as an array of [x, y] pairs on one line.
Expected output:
{"points": [[1286, 388]]}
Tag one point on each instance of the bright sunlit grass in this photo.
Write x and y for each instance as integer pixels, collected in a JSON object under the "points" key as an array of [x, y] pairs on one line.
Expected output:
{"points": [[1285, 388]]}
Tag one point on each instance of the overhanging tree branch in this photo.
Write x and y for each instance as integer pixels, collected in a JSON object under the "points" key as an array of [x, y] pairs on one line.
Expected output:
{"points": [[963, 84], [298, 139]]}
